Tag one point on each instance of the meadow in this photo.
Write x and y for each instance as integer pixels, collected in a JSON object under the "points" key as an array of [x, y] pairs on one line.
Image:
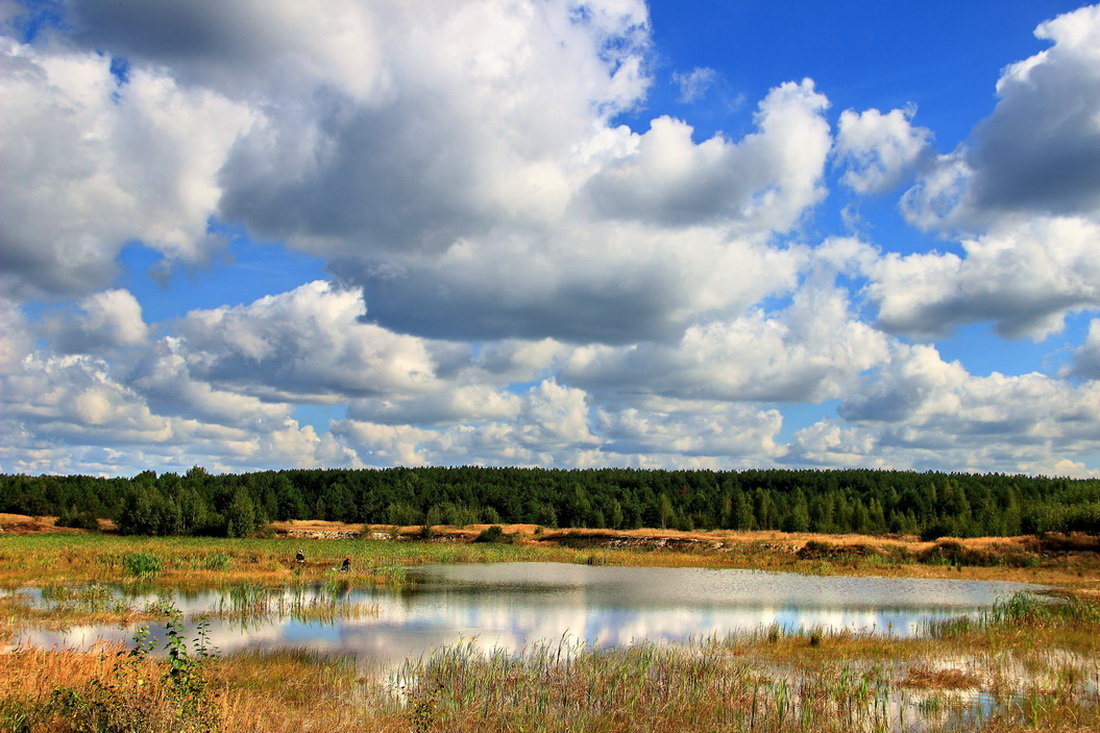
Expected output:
{"points": [[1026, 664]]}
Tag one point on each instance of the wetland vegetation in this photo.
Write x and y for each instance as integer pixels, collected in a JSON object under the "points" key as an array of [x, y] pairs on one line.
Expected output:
{"points": [[1023, 664], [1015, 668]]}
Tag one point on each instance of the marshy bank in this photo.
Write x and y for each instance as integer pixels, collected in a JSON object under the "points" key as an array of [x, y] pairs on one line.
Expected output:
{"points": [[32, 548], [1024, 664]]}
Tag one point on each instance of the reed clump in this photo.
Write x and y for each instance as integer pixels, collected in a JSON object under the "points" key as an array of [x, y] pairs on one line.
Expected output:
{"points": [[1022, 612], [256, 603]]}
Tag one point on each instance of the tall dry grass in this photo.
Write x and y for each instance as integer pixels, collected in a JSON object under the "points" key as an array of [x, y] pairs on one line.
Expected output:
{"points": [[106, 689]]}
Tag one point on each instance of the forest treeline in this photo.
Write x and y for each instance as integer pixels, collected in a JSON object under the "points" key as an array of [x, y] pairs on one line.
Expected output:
{"points": [[865, 501]]}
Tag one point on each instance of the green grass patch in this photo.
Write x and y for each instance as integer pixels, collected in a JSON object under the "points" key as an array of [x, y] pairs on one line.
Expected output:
{"points": [[142, 564]]}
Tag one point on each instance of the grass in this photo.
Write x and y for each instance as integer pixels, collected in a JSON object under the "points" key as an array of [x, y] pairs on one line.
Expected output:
{"points": [[770, 680], [181, 562]]}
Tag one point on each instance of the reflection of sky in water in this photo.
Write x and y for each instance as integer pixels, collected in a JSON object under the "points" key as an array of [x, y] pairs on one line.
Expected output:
{"points": [[513, 605]]}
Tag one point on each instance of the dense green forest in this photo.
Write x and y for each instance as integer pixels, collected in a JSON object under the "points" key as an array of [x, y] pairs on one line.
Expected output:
{"points": [[866, 501]]}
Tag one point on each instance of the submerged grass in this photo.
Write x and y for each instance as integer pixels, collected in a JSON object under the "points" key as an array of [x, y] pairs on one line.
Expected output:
{"points": [[62, 607], [251, 602]]}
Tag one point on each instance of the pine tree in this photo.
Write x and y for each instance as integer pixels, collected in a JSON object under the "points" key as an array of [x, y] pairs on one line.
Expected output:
{"points": [[798, 517]]}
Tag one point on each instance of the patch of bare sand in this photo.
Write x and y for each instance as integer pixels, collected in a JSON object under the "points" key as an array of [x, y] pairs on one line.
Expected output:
{"points": [[23, 524]]}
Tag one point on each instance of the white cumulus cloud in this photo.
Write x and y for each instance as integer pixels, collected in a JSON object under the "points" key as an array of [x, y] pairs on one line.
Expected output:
{"points": [[102, 163], [877, 149], [1024, 278], [1039, 151]]}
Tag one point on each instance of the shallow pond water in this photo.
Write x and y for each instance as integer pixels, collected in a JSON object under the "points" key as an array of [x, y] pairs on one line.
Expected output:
{"points": [[515, 605]]}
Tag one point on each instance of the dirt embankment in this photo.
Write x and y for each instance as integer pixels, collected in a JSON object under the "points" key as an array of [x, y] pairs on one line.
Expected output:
{"points": [[23, 524], [19, 524], [803, 545]]}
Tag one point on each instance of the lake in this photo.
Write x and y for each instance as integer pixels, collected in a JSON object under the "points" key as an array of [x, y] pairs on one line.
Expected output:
{"points": [[515, 605]]}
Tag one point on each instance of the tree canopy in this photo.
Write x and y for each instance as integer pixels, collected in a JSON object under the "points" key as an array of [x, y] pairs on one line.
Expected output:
{"points": [[867, 501]]}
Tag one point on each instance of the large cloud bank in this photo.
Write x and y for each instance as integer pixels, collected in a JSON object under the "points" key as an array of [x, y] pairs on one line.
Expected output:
{"points": [[517, 277]]}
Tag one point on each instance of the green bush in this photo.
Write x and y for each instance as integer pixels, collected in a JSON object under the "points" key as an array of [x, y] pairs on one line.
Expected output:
{"points": [[937, 529], [85, 519], [496, 535], [953, 552]]}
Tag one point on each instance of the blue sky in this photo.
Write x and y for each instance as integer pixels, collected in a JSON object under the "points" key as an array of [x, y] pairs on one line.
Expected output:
{"points": [[562, 233]]}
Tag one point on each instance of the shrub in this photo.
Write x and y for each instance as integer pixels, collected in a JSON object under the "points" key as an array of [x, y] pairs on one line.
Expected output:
{"points": [[495, 534], [953, 552], [1073, 542], [935, 530], [947, 552], [142, 563], [815, 549], [85, 519]]}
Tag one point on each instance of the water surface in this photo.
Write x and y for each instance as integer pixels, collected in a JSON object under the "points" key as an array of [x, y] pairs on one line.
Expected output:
{"points": [[514, 605]]}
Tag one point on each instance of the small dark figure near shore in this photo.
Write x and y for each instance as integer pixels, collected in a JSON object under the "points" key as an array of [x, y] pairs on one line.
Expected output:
{"points": [[346, 565], [300, 557]]}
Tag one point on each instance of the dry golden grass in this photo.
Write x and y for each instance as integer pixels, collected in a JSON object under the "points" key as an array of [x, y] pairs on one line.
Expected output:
{"points": [[20, 524], [103, 689], [790, 541], [289, 691], [940, 679], [35, 673]]}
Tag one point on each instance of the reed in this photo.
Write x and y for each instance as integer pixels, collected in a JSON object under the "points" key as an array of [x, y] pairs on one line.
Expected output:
{"points": [[256, 603], [1022, 609], [706, 686]]}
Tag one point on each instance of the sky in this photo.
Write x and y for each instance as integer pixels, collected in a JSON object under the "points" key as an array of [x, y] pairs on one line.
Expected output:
{"points": [[368, 233]]}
